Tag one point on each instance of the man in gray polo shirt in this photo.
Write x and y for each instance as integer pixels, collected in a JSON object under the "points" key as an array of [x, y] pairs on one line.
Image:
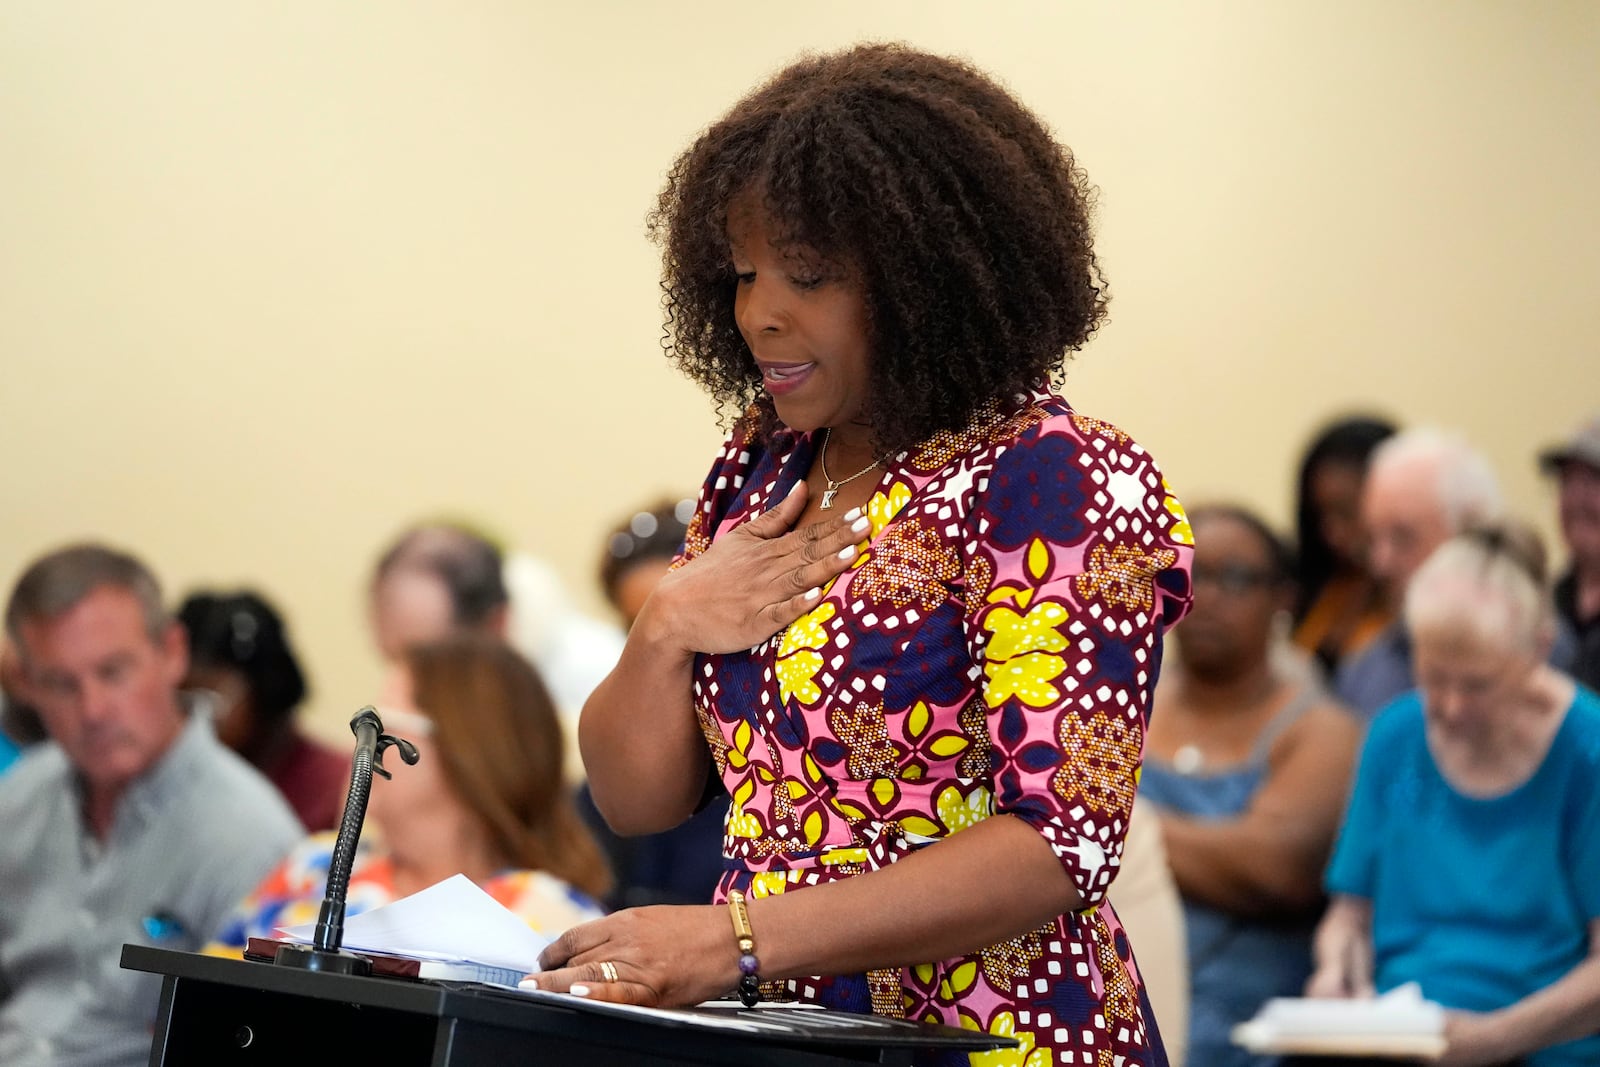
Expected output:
{"points": [[132, 823]]}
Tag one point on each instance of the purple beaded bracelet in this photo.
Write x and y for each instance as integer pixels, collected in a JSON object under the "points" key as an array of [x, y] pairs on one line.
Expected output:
{"points": [[749, 966]]}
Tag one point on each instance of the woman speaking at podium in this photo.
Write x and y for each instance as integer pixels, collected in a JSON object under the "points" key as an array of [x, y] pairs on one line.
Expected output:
{"points": [[919, 612]]}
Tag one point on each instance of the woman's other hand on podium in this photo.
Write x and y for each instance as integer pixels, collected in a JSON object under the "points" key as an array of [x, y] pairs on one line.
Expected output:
{"points": [[663, 956]]}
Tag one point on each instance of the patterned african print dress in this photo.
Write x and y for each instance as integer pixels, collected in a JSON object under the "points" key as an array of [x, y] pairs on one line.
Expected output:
{"points": [[992, 651]]}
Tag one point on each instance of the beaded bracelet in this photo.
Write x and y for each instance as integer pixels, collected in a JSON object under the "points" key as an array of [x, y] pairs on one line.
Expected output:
{"points": [[749, 980]]}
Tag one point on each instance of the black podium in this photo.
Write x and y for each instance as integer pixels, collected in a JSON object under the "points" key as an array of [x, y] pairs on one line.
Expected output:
{"points": [[220, 1012]]}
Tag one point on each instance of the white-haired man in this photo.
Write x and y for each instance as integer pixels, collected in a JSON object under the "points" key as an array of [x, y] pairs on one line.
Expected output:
{"points": [[1423, 486]]}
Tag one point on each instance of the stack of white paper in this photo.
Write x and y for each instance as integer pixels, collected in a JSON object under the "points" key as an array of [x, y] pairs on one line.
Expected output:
{"points": [[1399, 1023], [452, 920]]}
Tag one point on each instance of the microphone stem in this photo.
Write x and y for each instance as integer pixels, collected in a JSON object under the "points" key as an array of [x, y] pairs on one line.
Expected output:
{"points": [[330, 920]]}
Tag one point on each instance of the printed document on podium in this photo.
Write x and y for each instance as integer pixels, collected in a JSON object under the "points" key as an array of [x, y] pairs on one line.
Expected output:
{"points": [[452, 920]]}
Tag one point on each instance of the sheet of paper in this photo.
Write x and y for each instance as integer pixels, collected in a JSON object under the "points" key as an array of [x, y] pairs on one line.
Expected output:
{"points": [[451, 920], [1400, 1011], [1399, 1023]]}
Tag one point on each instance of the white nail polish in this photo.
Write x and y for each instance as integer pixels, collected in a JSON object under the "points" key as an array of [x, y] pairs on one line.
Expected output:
{"points": [[860, 524], [814, 592], [527, 983], [579, 990], [848, 552], [852, 515]]}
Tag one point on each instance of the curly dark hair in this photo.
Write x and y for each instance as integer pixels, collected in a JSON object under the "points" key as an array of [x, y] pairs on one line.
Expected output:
{"points": [[243, 631], [966, 222]]}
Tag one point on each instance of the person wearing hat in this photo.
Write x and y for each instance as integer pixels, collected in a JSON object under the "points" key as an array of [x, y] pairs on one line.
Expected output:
{"points": [[1575, 464]]}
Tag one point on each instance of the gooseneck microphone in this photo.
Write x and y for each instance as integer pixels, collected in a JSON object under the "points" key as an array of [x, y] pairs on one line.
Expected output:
{"points": [[325, 953]]}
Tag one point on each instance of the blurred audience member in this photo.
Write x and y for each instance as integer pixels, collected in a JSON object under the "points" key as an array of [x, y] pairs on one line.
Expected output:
{"points": [[485, 800], [10, 707], [681, 865], [1576, 466], [444, 577], [1422, 487], [1339, 606], [131, 824], [1248, 766], [1469, 859], [433, 580], [639, 551], [19, 722], [239, 653], [9, 751]]}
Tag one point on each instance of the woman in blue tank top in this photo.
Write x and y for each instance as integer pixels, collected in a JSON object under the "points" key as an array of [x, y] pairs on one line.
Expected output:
{"points": [[1248, 761]]}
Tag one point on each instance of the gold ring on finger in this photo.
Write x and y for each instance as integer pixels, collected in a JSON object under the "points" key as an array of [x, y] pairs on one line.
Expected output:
{"points": [[608, 970]]}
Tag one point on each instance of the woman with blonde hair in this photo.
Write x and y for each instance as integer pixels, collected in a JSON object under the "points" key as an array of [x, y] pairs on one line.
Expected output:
{"points": [[486, 800], [1469, 860]]}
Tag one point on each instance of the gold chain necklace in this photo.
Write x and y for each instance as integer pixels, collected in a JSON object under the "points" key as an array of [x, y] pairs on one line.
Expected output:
{"points": [[833, 486]]}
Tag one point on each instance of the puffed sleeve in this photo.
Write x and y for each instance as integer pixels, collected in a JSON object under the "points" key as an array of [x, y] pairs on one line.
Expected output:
{"points": [[1083, 555]]}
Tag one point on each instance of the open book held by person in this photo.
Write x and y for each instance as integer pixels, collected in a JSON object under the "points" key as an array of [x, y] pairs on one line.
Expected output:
{"points": [[1399, 1023]]}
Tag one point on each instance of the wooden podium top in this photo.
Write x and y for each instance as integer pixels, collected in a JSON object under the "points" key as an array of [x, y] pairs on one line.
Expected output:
{"points": [[791, 1033]]}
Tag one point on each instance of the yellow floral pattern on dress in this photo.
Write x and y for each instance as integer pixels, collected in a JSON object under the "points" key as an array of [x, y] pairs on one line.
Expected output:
{"points": [[798, 658], [740, 822], [1020, 660], [1023, 1055], [884, 506], [1001, 624], [1180, 531], [769, 883], [958, 812]]}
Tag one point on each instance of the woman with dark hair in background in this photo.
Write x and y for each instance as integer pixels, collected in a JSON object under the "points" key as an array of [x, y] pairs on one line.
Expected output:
{"points": [[239, 652], [485, 800], [1338, 607]]}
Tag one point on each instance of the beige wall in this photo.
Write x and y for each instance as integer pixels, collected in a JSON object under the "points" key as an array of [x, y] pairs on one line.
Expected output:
{"points": [[276, 277]]}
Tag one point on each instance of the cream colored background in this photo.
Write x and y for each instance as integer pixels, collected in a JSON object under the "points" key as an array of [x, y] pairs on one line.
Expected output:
{"points": [[277, 277]]}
